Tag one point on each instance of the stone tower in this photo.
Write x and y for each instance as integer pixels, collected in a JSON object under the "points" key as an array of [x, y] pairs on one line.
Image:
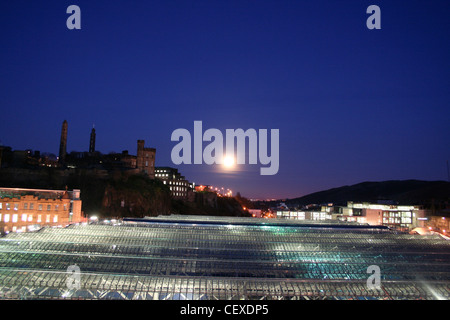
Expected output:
{"points": [[92, 141], [63, 143], [145, 159]]}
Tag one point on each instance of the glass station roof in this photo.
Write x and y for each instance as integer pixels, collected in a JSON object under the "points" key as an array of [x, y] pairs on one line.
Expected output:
{"points": [[197, 257]]}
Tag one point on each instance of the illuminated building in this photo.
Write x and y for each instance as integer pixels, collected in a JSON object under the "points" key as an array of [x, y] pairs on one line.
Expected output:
{"points": [[255, 213], [394, 216], [304, 215], [25, 209], [178, 185], [223, 258]]}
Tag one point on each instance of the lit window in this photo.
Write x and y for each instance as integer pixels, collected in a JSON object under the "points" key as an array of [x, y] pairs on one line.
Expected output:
{"points": [[7, 206], [1, 205], [14, 217], [6, 217], [30, 218], [24, 217], [55, 218], [48, 218], [39, 218]]}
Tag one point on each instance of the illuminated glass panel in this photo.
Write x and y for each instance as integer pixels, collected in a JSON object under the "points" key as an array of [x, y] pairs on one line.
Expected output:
{"points": [[187, 257]]}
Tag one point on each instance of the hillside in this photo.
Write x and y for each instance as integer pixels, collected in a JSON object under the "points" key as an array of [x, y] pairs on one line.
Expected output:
{"points": [[120, 194], [412, 192]]}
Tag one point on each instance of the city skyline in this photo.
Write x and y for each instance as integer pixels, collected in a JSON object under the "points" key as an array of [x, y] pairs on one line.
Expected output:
{"points": [[351, 104]]}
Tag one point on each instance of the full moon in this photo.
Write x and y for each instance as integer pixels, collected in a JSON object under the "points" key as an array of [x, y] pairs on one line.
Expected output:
{"points": [[228, 162]]}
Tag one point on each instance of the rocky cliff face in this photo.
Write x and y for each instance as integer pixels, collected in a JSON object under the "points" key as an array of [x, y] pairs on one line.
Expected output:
{"points": [[120, 194], [135, 196], [208, 203]]}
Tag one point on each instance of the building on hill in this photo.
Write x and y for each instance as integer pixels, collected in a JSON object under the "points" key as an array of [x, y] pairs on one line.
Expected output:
{"points": [[28, 158], [145, 159], [142, 162], [26, 209], [178, 185]]}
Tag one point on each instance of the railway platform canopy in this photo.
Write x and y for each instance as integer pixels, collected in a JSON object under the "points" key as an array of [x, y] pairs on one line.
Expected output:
{"points": [[223, 258]]}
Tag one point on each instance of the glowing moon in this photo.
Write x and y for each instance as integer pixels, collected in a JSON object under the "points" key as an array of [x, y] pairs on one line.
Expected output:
{"points": [[228, 162]]}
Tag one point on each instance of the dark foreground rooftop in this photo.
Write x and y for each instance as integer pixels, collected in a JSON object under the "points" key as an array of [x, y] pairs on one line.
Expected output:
{"points": [[188, 257]]}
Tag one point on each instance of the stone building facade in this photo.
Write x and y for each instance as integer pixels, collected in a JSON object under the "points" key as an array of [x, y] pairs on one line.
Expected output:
{"points": [[23, 210], [145, 159]]}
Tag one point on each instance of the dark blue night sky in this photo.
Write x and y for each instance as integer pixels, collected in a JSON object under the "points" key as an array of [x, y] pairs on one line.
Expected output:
{"points": [[351, 104]]}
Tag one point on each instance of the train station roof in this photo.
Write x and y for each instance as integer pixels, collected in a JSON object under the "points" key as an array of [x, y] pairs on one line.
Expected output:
{"points": [[223, 258]]}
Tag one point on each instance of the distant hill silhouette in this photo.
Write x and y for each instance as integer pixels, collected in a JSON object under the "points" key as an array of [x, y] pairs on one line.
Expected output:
{"points": [[408, 192]]}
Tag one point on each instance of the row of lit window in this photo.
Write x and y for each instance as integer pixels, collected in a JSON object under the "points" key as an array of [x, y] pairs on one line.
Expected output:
{"points": [[178, 189], [26, 218], [30, 206], [14, 229], [181, 183], [161, 175], [179, 194], [403, 214], [356, 219], [172, 183], [302, 215], [288, 214], [397, 220]]}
